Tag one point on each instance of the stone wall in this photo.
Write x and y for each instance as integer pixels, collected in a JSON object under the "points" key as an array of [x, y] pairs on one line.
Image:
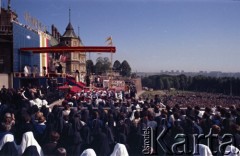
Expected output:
{"points": [[138, 84]]}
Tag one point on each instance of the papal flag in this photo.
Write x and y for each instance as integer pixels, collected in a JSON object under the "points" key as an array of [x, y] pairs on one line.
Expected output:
{"points": [[109, 40]]}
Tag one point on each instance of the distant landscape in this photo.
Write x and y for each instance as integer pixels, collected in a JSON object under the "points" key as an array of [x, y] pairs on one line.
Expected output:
{"points": [[199, 83], [203, 73]]}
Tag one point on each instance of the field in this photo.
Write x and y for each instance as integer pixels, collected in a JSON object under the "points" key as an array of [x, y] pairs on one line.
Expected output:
{"points": [[151, 94]]}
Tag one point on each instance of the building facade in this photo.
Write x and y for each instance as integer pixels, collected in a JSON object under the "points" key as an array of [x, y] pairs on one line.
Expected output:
{"points": [[75, 60], [6, 46], [44, 40], [14, 35]]}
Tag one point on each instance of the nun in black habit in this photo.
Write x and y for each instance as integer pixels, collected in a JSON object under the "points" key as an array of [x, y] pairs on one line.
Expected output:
{"points": [[8, 146], [29, 145], [100, 142], [86, 137], [70, 138], [134, 141]]}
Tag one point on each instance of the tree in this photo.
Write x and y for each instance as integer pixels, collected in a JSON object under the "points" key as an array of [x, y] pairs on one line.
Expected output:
{"points": [[90, 67], [183, 81], [161, 85], [148, 82], [166, 83], [176, 83], [116, 66], [106, 64], [102, 65], [125, 69], [224, 85], [98, 68]]}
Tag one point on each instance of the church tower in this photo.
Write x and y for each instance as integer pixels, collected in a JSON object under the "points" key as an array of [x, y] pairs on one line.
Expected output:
{"points": [[74, 60]]}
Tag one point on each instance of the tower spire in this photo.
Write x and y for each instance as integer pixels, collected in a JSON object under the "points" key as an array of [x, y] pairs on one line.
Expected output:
{"points": [[9, 4], [69, 15]]}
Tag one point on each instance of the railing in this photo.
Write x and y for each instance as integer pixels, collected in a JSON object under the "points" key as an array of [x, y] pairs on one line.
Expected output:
{"points": [[38, 75], [6, 28]]}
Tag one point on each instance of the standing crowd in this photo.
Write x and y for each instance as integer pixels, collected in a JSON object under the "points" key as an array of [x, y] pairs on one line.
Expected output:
{"points": [[105, 123]]}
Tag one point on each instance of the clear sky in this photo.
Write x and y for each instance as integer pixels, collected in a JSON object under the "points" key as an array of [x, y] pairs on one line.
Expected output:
{"points": [[152, 35]]}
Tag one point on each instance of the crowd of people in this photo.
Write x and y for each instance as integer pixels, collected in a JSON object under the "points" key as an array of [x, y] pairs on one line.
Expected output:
{"points": [[200, 99], [104, 123], [185, 98]]}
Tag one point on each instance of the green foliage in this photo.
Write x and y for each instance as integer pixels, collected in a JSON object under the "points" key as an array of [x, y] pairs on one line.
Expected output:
{"points": [[102, 65], [161, 85], [125, 69], [90, 67], [166, 83], [117, 66], [225, 85], [176, 83]]}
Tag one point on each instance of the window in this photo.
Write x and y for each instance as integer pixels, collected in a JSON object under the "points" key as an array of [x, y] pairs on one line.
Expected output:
{"points": [[74, 67], [75, 43], [82, 60], [75, 56]]}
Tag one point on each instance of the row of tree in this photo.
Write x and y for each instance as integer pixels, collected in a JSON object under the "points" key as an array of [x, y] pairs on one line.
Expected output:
{"points": [[103, 65], [225, 85]]}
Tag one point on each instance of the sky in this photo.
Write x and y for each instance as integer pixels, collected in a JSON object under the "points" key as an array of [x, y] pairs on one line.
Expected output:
{"points": [[152, 35]]}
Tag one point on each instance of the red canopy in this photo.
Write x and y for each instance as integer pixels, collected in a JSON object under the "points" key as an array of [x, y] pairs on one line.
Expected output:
{"points": [[85, 49]]}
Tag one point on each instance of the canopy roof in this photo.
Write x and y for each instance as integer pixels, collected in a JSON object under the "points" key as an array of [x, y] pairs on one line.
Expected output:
{"points": [[57, 49]]}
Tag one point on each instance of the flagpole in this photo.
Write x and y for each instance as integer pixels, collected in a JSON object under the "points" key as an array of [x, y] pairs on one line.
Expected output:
{"points": [[111, 44], [109, 39], [111, 64]]}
